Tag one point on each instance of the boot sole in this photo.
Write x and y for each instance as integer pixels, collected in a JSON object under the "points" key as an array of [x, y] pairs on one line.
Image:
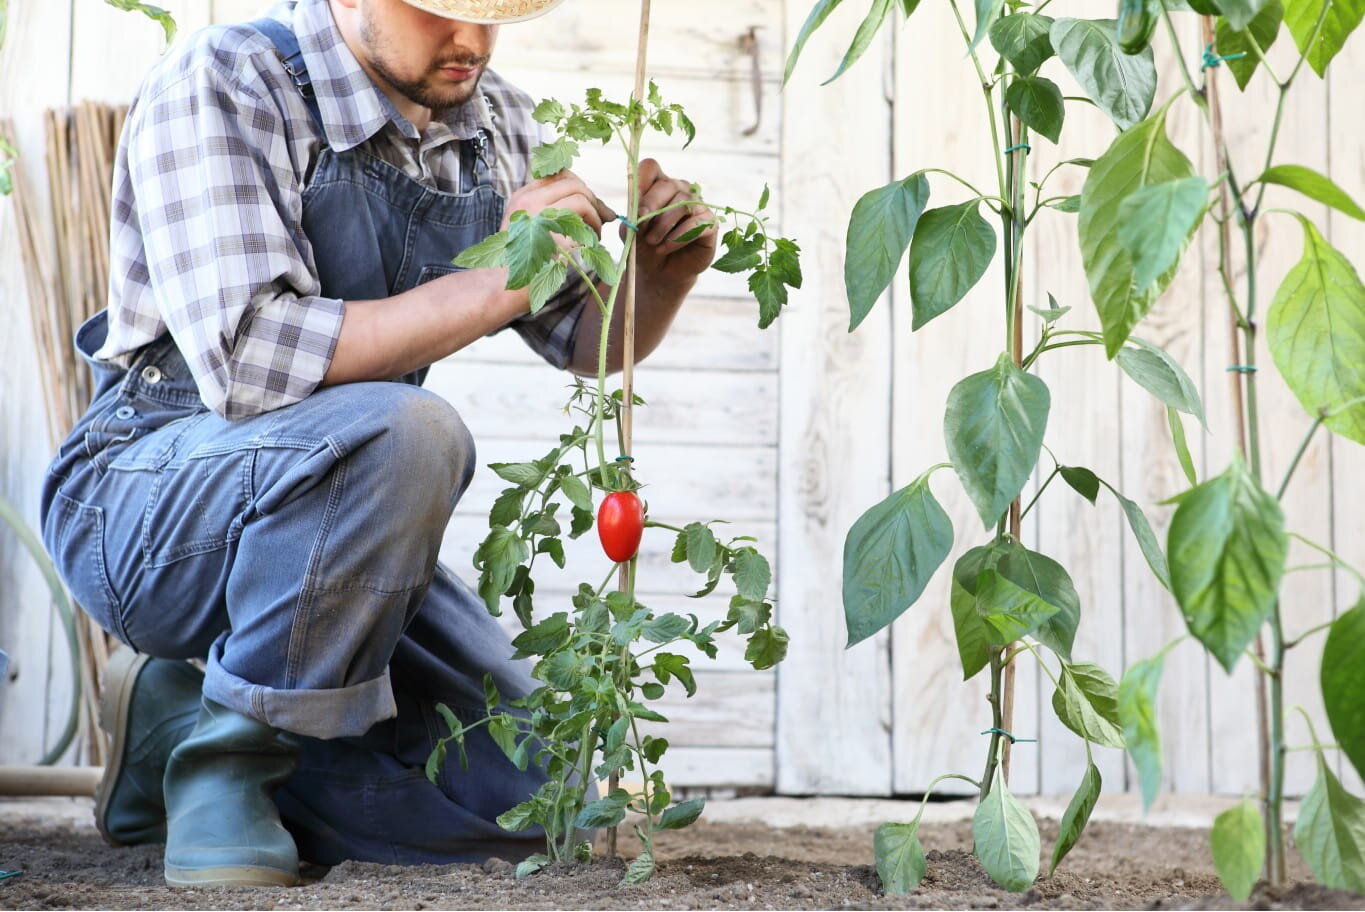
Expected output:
{"points": [[229, 877], [116, 695]]}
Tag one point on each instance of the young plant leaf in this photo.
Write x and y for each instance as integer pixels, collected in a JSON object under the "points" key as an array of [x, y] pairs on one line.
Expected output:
{"points": [[1087, 703], [1024, 39], [1009, 610], [1316, 332], [1227, 547], [1006, 837], [1156, 223], [1077, 815], [545, 637], [531, 865], [973, 637], [1047, 579], [862, 39], [1341, 20], [1238, 843], [546, 282], [1315, 186], [950, 252], [993, 427], [604, 812], [818, 14], [1240, 13], [1264, 29], [491, 251], [1330, 832], [1137, 713], [1343, 683], [767, 647], [682, 814], [879, 231], [1153, 369], [900, 857], [549, 159], [1139, 157], [1146, 539], [752, 574], [1122, 85], [1083, 481], [890, 554], [1038, 103], [987, 12]]}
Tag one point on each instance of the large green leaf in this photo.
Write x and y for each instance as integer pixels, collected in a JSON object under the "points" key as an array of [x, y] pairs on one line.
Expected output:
{"points": [[1006, 837], [862, 39], [1330, 832], [1087, 702], [950, 251], [1077, 814], [993, 427], [1341, 20], [972, 635], [1264, 28], [1123, 85], [1156, 223], [1140, 157], [987, 12], [1240, 13], [1316, 332], [1024, 39], [1137, 714], [900, 857], [1227, 547], [882, 224], [1343, 683], [1010, 611], [1047, 579], [818, 14], [890, 554], [1314, 186], [1238, 843], [1152, 368], [1038, 103]]}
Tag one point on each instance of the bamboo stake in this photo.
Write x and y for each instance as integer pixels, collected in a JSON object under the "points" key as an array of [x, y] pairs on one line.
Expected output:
{"points": [[32, 781]]}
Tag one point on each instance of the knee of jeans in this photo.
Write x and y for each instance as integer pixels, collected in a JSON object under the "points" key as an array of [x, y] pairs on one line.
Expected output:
{"points": [[428, 442]]}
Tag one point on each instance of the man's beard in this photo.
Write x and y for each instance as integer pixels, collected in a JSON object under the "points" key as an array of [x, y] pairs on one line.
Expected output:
{"points": [[419, 91]]}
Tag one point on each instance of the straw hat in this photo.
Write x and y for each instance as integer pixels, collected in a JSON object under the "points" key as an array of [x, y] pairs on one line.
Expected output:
{"points": [[486, 11]]}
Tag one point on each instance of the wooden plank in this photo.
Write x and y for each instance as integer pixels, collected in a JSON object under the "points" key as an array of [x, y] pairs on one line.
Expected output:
{"points": [[735, 767], [834, 709], [110, 71], [512, 402], [34, 699], [731, 709]]}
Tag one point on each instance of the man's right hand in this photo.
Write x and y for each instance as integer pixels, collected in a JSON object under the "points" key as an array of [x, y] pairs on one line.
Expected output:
{"points": [[564, 190]]}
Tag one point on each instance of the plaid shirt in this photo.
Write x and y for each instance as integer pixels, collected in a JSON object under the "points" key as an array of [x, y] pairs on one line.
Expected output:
{"points": [[207, 240]]}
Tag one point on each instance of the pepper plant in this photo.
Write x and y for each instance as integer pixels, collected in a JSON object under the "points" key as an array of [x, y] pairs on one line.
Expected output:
{"points": [[604, 657], [1141, 205]]}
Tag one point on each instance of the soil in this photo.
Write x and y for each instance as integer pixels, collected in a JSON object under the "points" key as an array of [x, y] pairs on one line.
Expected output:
{"points": [[732, 865]]}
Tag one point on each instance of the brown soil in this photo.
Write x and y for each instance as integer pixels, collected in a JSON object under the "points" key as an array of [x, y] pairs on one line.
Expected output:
{"points": [[65, 865]]}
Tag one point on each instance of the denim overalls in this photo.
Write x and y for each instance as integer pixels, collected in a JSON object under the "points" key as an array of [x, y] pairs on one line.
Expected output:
{"points": [[296, 551]]}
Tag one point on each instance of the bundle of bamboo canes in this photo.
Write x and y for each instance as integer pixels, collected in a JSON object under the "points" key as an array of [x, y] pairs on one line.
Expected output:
{"points": [[66, 265]]}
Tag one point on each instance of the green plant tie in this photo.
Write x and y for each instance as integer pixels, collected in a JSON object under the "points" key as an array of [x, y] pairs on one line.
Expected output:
{"points": [[1212, 60], [625, 458], [628, 223], [1013, 740], [1025, 146], [1243, 368], [8, 874]]}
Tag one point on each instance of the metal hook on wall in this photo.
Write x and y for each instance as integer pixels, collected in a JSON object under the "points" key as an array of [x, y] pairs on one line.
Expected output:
{"points": [[748, 43]]}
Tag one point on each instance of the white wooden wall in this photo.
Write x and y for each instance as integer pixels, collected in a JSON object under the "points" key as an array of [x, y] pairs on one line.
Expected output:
{"points": [[793, 432]]}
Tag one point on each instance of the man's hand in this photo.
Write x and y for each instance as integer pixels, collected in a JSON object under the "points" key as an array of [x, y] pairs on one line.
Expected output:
{"points": [[661, 259], [564, 190]]}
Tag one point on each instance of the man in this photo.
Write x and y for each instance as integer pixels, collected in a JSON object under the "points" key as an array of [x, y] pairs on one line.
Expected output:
{"points": [[249, 487]]}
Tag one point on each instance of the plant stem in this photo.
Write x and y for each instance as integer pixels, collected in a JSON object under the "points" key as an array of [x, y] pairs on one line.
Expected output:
{"points": [[997, 722]]}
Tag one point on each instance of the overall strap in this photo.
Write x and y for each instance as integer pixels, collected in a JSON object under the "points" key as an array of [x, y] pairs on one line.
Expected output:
{"points": [[287, 47]]}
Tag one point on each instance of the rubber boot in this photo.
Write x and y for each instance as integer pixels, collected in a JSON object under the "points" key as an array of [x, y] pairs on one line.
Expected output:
{"points": [[147, 706], [223, 826]]}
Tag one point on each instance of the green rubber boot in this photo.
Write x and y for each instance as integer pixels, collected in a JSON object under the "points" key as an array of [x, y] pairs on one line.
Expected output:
{"points": [[147, 706], [223, 826]]}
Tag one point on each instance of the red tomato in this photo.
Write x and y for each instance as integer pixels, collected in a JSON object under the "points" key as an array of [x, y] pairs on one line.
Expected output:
{"points": [[620, 523]]}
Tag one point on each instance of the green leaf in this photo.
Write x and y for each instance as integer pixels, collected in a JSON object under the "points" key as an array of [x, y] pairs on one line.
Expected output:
{"points": [[520, 817], [1314, 186], [491, 251], [1240, 13], [1316, 332], [668, 666], [1153, 369], [1146, 539], [1264, 29], [770, 291], [548, 159], [1006, 837], [1009, 610], [1156, 223], [1044, 577], [767, 647], [601, 262], [1087, 702], [1024, 39], [497, 559], [950, 252], [890, 554], [752, 574], [1341, 20], [665, 628], [1139, 157], [1182, 447], [531, 865], [682, 814], [545, 637], [525, 474], [1238, 843], [818, 14], [577, 492], [1038, 103], [900, 857], [701, 546], [641, 869], [604, 812], [993, 427], [1227, 548], [1137, 713], [530, 245], [987, 12], [972, 635], [879, 231], [549, 111], [1077, 815], [155, 13], [502, 729], [1083, 481], [1330, 832], [862, 39], [1122, 85], [1343, 683], [548, 281], [506, 508]]}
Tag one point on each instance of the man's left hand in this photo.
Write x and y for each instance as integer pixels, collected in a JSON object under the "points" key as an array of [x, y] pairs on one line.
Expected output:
{"points": [[660, 258]]}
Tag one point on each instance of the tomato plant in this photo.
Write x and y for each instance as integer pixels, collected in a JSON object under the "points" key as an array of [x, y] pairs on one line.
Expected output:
{"points": [[602, 659]]}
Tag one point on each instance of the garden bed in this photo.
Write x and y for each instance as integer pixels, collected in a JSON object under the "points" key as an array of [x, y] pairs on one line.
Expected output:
{"points": [[727, 863]]}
